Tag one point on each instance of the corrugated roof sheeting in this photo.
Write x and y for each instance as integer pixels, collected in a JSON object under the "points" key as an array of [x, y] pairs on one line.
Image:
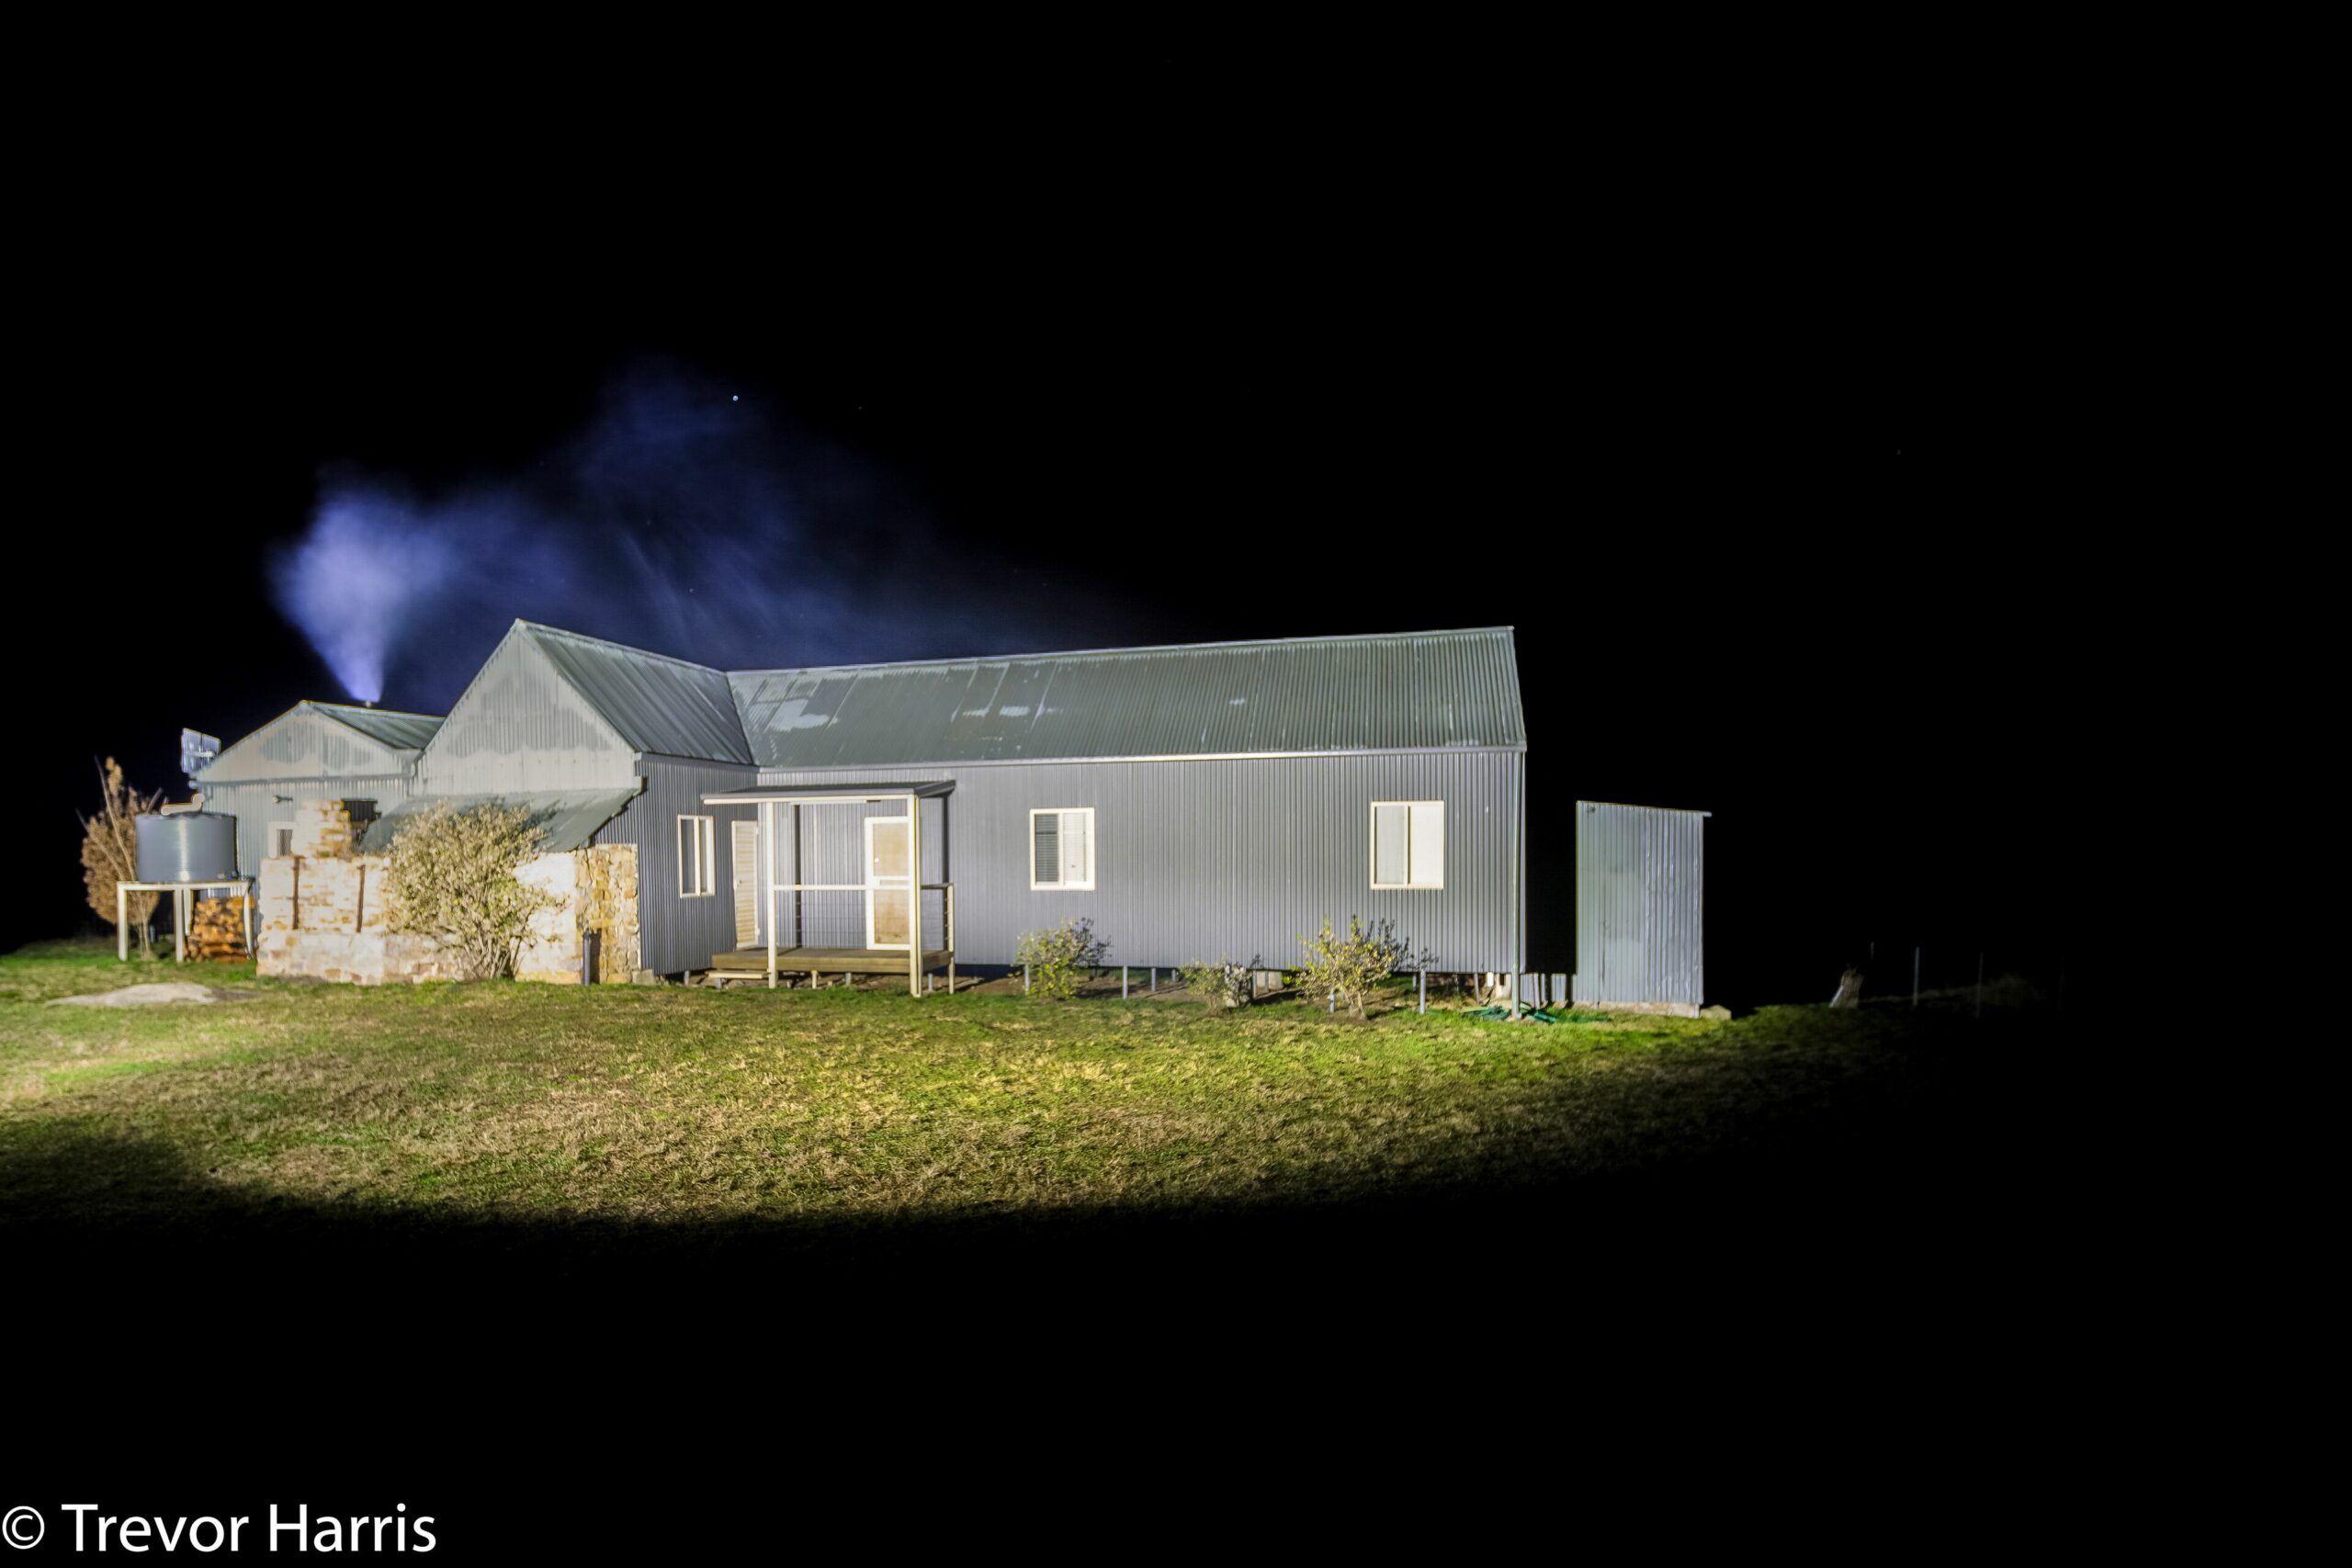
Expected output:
{"points": [[567, 819], [1411, 692], [400, 731], [923, 789], [662, 705]]}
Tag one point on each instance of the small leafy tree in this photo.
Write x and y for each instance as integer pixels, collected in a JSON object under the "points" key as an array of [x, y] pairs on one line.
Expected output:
{"points": [[110, 848], [1223, 984], [1058, 956], [1350, 964], [453, 877]]}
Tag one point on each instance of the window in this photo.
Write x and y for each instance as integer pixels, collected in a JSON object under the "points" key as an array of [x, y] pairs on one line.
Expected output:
{"points": [[1408, 843], [697, 857], [1061, 848], [281, 840]]}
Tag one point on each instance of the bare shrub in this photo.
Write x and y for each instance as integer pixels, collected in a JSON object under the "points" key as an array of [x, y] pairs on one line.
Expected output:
{"points": [[110, 848], [1350, 964], [1223, 984], [1058, 957], [453, 877]]}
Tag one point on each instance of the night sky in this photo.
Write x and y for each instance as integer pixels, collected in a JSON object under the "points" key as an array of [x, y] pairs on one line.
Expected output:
{"points": [[1779, 525]]}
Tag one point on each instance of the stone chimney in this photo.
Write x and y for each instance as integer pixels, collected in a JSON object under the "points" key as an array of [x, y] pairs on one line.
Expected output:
{"points": [[331, 830]]}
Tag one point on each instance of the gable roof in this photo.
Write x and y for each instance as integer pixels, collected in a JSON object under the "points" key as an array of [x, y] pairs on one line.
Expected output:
{"points": [[400, 731], [315, 739], [653, 703], [1409, 691]]}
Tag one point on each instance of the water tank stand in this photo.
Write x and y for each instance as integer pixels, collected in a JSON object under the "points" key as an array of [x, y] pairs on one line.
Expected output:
{"points": [[183, 901]]}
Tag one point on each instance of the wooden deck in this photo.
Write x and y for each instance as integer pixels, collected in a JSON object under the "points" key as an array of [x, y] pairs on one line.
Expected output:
{"points": [[827, 959]]}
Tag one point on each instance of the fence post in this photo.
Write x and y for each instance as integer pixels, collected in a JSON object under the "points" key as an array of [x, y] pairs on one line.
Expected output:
{"points": [[1122, 982], [1335, 1003], [1025, 979], [1425, 993], [1914, 976]]}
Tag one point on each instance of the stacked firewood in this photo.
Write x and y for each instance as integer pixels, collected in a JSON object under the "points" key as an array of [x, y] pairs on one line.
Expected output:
{"points": [[219, 928]]}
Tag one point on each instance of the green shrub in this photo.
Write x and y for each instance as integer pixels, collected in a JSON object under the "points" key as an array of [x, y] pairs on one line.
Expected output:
{"points": [[452, 877], [1058, 957], [1352, 964], [1222, 984]]}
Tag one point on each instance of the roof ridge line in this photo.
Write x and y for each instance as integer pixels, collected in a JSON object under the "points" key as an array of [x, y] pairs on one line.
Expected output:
{"points": [[541, 627], [1141, 647], [369, 708]]}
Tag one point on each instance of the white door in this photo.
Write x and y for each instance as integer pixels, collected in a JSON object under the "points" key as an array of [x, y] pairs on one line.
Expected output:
{"points": [[889, 883], [746, 863]]}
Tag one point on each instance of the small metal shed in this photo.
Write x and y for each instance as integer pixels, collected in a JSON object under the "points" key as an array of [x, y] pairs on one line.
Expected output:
{"points": [[1640, 906]]}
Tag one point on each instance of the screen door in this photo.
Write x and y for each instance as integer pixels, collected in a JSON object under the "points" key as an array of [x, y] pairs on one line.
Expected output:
{"points": [[889, 883]]}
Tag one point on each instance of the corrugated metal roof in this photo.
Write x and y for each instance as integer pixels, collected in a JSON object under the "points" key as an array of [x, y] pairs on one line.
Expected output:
{"points": [[400, 731], [567, 819], [921, 789], [655, 704], [1409, 692]]}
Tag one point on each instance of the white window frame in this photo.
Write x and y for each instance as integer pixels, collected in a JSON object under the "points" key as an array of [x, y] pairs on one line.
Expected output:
{"points": [[1372, 848], [1093, 849], [275, 829], [702, 858]]}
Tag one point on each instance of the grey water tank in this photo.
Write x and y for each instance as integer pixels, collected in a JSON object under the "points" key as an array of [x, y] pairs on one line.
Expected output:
{"points": [[188, 846]]}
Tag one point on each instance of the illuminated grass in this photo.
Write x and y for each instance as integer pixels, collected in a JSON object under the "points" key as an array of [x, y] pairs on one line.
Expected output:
{"points": [[634, 1103]]}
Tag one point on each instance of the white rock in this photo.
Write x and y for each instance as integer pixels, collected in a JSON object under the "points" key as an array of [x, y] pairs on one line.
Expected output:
{"points": [[144, 996]]}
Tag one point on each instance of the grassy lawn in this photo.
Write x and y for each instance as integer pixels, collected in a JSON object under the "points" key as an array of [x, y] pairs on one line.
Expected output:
{"points": [[559, 1108]]}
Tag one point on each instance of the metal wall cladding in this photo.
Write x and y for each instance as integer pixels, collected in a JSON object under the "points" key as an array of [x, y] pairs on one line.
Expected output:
{"points": [[1640, 905], [522, 725], [311, 741], [256, 806], [676, 933], [1421, 690], [188, 846], [1201, 858]]}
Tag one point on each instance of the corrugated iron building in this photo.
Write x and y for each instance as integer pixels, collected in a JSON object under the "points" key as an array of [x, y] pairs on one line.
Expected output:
{"points": [[1640, 906], [1232, 787], [1195, 802]]}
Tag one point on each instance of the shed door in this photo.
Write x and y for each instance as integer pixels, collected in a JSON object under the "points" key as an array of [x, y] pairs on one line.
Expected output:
{"points": [[746, 862], [889, 889]]}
